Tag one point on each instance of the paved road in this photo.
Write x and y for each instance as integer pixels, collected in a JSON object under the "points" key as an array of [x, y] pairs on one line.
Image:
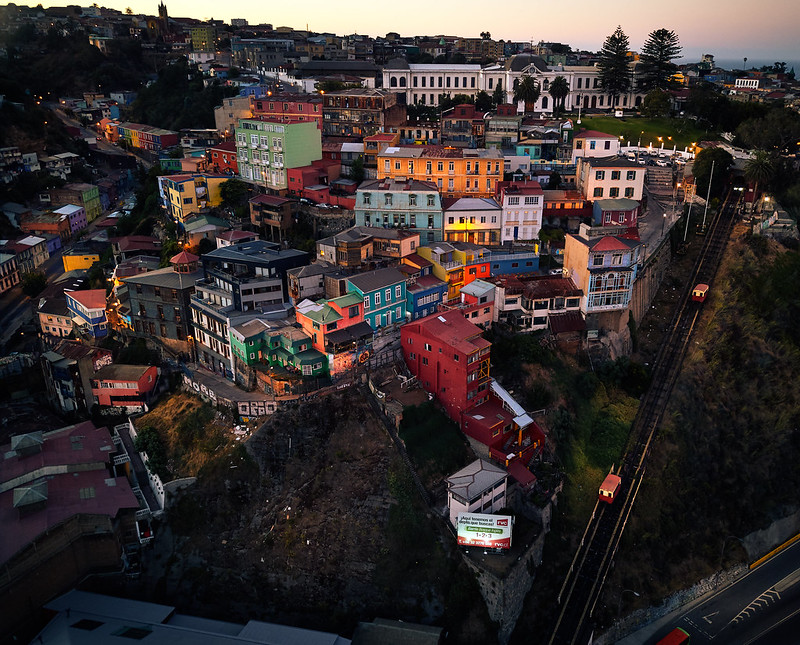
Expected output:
{"points": [[761, 607]]}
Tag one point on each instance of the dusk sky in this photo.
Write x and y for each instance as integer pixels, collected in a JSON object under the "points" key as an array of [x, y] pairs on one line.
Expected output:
{"points": [[729, 30]]}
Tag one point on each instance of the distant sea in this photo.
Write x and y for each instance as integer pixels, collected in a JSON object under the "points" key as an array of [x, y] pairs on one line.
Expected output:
{"points": [[756, 63]]}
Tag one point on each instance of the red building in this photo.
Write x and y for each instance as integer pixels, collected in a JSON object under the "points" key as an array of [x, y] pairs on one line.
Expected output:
{"points": [[221, 158], [319, 172], [287, 108], [450, 359], [125, 386]]}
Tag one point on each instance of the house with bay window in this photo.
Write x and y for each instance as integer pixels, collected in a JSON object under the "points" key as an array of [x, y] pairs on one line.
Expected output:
{"points": [[603, 263]]}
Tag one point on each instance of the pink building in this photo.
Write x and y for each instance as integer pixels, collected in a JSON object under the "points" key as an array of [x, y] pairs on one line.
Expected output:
{"points": [[125, 386]]}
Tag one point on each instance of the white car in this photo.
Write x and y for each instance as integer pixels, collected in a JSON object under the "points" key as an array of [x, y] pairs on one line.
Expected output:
{"points": [[662, 162]]}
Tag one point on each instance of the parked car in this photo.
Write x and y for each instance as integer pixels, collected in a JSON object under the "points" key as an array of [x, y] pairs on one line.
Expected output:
{"points": [[662, 162]]}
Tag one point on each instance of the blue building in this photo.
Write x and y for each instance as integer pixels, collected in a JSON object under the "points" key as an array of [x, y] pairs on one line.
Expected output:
{"points": [[384, 294], [424, 291], [408, 204], [88, 311], [516, 261]]}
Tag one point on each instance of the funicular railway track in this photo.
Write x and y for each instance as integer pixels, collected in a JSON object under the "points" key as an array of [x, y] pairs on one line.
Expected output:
{"points": [[587, 573]]}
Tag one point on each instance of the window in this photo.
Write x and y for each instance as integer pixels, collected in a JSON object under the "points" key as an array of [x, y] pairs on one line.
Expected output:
{"points": [[607, 145], [367, 198], [377, 297], [427, 347], [598, 192], [388, 296], [629, 192], [431, 199], [439, 166], [388, 199], [398, 291], [428, 166], [366, 303], [615, 175], [592, 145], [412, 200], [631, 175], [597, 261], [531, 200], [613, 192], [599, 175], [424, 360]]}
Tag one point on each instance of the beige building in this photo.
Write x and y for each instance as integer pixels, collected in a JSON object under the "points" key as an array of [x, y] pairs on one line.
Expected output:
{"points": [[227, 115]]}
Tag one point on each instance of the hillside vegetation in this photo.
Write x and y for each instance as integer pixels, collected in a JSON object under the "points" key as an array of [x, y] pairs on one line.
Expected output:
{"points": [[725, 463]]}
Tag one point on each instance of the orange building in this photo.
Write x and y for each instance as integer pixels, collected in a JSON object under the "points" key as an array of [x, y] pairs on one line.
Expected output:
{"points": [[457, 172]]}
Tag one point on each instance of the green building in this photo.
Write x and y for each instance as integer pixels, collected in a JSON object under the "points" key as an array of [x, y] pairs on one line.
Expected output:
{"points": [[274, 344], [266, 151]]}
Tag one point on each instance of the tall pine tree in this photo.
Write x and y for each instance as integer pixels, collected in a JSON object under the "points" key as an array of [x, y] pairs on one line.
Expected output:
{"points": [[659, 50], [615, 75]]}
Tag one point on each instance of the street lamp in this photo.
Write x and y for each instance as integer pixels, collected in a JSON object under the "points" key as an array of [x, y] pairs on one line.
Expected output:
{"points": [[639, 145]]}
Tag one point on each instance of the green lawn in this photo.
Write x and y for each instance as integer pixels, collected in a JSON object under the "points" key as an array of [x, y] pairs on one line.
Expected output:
{"points": [[683, 131]]}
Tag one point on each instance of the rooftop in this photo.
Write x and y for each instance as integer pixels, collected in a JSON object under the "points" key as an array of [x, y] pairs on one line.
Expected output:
{"points": [[374, 280], [75, 459], [119, 372], [91, 298], [456, 331], [472, 480]]}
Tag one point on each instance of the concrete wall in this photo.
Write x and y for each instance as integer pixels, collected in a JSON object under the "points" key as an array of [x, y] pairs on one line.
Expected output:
{"points": [[505, 596]]}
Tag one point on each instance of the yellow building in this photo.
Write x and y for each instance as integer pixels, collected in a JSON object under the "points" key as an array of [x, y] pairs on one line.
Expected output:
{"points": [[76, 260], [457, 172], [186, 195]]}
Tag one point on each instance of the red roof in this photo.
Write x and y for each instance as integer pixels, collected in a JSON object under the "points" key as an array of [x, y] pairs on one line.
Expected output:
{"points": [[609, 243], [270, 200], [231, 236], [138, 243], [452, 328], [225, 146], [184, 257], [593, 134], [84, 453], [91, 299], [521, 474]]}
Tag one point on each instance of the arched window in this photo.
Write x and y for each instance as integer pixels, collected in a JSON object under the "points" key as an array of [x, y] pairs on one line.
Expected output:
{"points": [[393, 81], [544, 102], [546, 84], [402, 82]]}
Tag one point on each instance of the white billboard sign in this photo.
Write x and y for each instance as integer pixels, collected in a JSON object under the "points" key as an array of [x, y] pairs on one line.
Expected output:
{"points": [[487, 531]]}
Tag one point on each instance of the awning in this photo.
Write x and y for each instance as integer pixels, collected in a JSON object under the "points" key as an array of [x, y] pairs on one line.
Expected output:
{"points": [[352, 334]]}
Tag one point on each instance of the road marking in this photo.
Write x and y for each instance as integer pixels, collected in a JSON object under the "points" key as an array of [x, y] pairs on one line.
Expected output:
{"points": [[788, 581], [708, 617]]}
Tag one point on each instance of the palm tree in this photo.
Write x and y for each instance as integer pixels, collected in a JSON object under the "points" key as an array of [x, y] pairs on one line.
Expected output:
{"points": [[559, 90], [527, 90], [759, 170]]}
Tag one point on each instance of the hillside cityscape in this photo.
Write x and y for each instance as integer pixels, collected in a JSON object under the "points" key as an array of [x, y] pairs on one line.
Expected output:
{"points": [[319, 338]]}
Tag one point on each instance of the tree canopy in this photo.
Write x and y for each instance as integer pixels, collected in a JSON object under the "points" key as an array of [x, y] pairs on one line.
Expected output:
{"points": [[721, 161], [527, 90], [498, 96], [615, 75], [778, 130], [659, 50], [656, 104], [559, 90]]}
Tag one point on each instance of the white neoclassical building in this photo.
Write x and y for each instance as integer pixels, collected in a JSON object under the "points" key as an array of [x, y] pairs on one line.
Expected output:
{"points": [[422, 83]]}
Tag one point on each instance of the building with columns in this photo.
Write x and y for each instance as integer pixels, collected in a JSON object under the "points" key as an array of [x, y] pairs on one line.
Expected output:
{"points": [[423, 82]]}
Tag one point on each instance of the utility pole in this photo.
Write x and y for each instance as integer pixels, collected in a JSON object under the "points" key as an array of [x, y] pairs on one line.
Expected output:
{"points": [[688, 217], [708, 194]]}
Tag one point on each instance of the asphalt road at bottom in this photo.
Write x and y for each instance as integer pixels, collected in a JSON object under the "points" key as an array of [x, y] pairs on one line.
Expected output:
{"points": [[762, 607]]}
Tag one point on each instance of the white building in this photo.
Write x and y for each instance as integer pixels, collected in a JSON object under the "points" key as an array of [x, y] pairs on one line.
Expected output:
{"points": [[478, 488], [522, 204], [423, 83], [610, 178], [473, 219], [590, 143]]}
